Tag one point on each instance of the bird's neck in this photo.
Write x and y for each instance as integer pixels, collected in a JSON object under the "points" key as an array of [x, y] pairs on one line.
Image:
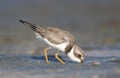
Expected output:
{"points": [[69, 49]]}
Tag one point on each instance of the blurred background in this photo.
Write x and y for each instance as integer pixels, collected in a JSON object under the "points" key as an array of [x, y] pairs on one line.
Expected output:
{"points": [[95, 24]]}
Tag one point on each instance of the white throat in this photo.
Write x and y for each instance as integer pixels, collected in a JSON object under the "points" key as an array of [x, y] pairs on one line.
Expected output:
{"points": [[72, 56]]}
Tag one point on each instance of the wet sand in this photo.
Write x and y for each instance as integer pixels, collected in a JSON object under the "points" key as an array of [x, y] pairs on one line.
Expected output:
{"points": [[94, 24], [34, 66]]}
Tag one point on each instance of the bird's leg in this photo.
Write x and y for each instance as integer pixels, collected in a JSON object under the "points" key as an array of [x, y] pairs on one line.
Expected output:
{"points": [[45, 53], [58, 58]]}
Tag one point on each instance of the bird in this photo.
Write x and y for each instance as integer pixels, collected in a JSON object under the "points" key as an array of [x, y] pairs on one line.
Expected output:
{"points": [[58, 39]]}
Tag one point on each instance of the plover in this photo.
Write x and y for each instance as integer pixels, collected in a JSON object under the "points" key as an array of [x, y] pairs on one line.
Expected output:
{"points": [[58, 39]]}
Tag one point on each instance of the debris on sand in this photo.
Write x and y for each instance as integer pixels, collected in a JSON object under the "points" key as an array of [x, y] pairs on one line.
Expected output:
{"points": [[96, 63]]}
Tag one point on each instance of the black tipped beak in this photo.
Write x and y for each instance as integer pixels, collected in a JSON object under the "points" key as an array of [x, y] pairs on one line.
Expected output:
{"points": [[81, 61], [21, 21]]}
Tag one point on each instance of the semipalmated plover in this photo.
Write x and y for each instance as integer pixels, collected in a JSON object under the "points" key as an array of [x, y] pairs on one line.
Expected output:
{"points": [[57, 39]]}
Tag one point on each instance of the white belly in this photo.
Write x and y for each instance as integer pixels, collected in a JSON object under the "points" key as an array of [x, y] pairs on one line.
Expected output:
{"points": [[60, 47]]}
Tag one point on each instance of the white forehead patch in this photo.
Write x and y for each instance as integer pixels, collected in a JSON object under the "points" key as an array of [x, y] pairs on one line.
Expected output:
{"points": [[78, 52]]}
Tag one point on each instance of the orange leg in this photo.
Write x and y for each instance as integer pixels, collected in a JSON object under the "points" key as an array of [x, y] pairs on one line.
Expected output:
{"points": [[58, 58], [45, 53]]}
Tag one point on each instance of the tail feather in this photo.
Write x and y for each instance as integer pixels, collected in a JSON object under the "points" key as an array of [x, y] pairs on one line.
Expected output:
{"points": [[33, 27], [37, 29]]}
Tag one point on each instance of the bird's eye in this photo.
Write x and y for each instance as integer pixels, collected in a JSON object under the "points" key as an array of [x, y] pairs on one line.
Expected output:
{"points": [[79, 55]]}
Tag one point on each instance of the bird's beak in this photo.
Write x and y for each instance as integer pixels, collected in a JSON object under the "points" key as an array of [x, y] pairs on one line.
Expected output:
{"points": [[81, 61]]}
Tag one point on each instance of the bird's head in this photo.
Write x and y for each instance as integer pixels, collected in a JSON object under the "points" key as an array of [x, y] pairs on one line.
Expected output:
{"points": [[76, 54]]}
